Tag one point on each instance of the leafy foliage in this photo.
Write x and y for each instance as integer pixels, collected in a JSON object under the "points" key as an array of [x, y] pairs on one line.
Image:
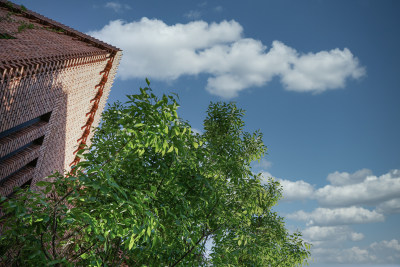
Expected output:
{"points": [[152, 193]]}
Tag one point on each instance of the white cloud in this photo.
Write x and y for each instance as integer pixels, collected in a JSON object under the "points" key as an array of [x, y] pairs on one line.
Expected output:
{"points": [[192, 14], [332, 252], [331, 234], [218, 9], [354, 255], [263, 165], [197, 131], [356, 236], [383, 252], [159, 51], [265, 175], [297, 190], [344, 203], [372, 190], [390, 206], [321, 71], [345, 178], [117, 7], [384, 245], [339, 216]]}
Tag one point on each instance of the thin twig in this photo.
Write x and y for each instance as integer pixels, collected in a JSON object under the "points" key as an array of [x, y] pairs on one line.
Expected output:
{"points": [[201, 238], [43, 248], [83, 252], [190, 250], [53, 241]]}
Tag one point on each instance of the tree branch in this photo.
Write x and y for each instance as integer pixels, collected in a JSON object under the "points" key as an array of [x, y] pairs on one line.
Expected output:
{"points": [[83, 252], [43, 248], [205, 234], [190, 250], [54, 229]]}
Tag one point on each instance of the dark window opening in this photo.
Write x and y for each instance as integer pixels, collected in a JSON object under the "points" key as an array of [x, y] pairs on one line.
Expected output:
{"points": [[27, 184], [38, 141], [44, 117], [31, 164]]}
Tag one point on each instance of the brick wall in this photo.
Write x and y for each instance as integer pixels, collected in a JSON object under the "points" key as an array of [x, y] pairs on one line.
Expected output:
{"points": [[43, 71]]}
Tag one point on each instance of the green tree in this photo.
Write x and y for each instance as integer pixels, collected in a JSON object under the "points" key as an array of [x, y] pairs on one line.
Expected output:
{"points": [[150, 192]]}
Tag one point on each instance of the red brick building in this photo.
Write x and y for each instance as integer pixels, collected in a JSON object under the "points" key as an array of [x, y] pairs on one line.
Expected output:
{"points": [[54, 83]]}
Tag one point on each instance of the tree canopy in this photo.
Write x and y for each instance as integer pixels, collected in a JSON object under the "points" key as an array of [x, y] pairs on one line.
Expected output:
{"points": [[151, 192]]}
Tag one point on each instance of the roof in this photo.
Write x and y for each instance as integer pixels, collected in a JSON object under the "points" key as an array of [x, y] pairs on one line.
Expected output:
{"points": [[28, 36]]}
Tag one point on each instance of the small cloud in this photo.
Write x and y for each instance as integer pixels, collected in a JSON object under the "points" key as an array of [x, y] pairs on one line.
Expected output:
{"points": [[339, 216], [345, 178], [263, 164], [202, 4], [331, 234], [117, 7], [197, 131], [384, 245], [356, 236], [380, 253], [389, 207], [218, 9], [297, 190], [192, 14]]}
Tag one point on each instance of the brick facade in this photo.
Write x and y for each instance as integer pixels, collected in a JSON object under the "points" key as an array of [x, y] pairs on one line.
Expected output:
{"points": [[54, 83]]}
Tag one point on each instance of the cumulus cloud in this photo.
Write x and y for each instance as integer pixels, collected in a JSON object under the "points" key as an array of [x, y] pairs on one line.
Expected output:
{"points": [[331, 234], [297, 190], [384, 245], [345, 178], [390, 206], [342, 203], [192, 14], [372, 190], [117, 7], [355, 255], [339, 216], [356, 236], [383, 252], [166, 52]]}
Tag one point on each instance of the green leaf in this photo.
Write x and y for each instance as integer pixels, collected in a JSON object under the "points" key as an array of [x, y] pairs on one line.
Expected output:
{"points": [[131, 241], [148, 231], [154, 242], [42, 183]]}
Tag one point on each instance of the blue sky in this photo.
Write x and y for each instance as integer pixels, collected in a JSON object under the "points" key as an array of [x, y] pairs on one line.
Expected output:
{"points": [[319, 78]]}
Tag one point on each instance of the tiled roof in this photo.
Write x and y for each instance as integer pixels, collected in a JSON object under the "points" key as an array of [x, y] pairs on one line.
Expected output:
{"points": [[40, 41], [41, 21]]}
